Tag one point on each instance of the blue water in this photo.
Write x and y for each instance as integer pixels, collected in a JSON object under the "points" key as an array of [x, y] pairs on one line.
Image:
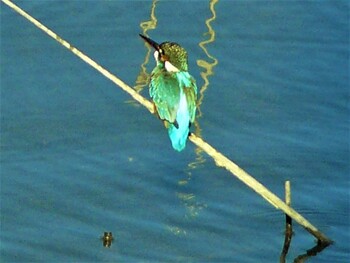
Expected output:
{"points": [[78, 158]]}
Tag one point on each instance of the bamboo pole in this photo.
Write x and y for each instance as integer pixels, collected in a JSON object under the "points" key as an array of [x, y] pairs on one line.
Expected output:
{"points": [[218, 157], [242, 175]]}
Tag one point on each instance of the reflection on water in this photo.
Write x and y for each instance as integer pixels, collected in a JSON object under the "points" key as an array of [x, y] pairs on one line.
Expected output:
{"points": [[193, 207], [142, 79], [311, 252], [177, 231], [188, 199], [208, 66]]}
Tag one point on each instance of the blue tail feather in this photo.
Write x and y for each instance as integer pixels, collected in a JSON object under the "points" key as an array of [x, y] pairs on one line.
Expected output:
{"points": [[178, 136]]}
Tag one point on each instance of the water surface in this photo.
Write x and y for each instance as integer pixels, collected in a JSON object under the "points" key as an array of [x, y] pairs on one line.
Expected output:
{"points": [[78, 159]]}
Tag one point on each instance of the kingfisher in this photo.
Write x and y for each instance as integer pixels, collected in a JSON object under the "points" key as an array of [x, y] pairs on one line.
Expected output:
{"points": [[173, 90]]}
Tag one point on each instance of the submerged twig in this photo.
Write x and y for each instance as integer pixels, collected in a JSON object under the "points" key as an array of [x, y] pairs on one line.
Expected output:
{"points": [[289, 231]]}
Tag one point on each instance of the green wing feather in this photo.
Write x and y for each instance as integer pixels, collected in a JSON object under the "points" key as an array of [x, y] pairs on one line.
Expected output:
{"points": [[165, 92]]}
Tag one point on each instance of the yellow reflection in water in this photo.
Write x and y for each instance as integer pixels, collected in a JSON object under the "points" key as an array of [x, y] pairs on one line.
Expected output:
{"points": [[193, 207], [143, 77], [208, 66], [212, 62]]}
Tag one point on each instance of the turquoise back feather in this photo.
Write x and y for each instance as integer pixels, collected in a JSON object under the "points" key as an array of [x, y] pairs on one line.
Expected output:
{"points": [[174, 94]]}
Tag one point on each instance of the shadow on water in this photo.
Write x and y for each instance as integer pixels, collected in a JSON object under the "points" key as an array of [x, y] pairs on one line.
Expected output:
{"points": [[192, 206]]}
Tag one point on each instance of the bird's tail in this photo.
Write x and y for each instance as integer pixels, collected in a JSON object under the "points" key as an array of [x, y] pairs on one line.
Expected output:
{"points": [[178, 136]]}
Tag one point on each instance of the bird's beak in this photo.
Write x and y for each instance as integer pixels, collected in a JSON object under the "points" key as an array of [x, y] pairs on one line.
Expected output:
{"points": [[152, 43]]}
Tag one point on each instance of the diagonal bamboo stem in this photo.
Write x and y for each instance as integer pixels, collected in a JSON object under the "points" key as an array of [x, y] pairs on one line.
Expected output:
{"points": [[238, 172], [84, 57], [218, 157]]}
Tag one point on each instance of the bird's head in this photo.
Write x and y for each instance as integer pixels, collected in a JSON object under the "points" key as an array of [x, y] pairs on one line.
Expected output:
{"points": [[169, 54]]}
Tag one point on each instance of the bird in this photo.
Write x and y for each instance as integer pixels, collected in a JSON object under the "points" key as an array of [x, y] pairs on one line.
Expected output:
{"points": [[173, 90]]}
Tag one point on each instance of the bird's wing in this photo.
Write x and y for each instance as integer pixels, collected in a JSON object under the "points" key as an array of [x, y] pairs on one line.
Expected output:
{"points": [[165, 92], [188, 84]]}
